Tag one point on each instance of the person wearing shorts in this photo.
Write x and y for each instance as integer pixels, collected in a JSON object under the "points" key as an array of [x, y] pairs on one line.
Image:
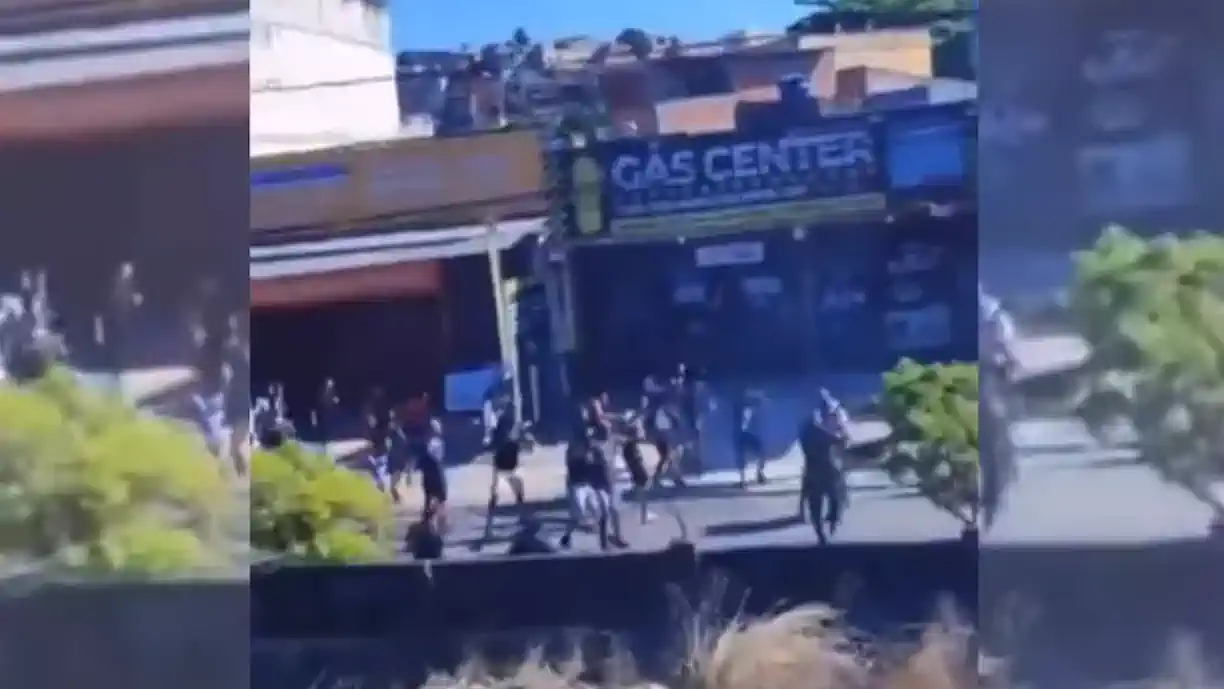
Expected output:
{"points": [[432, 465]]}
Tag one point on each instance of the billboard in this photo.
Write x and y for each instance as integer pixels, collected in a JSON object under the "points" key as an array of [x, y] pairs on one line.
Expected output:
{"points": [[451, 181], [635, 189], [929, 150]]}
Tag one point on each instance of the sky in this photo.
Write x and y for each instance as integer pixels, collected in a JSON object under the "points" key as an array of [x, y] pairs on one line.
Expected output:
{"points": [[445, 24]]}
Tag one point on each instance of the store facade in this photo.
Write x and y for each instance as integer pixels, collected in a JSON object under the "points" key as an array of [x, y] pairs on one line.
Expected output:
{"points": [[779, 257]]}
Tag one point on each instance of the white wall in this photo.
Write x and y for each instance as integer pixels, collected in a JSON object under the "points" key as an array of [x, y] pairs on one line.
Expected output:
{"points": [[322, 74]]}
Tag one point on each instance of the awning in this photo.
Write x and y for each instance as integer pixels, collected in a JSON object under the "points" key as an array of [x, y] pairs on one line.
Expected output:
{"points": [[349, 253], [339, 269]]}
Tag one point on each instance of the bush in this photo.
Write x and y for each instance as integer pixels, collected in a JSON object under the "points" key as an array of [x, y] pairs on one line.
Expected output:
{"points": [[1152, 313], [89, 484], [934, 445], [306, 507]]}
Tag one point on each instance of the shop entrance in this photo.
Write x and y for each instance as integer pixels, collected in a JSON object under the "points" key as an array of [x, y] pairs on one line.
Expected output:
{"points": [[393, 343]]}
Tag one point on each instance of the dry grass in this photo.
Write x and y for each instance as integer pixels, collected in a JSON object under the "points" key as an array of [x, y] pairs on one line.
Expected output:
{"points": [[808, 647]]}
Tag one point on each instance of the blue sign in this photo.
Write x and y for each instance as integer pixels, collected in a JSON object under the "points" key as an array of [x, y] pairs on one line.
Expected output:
{"points": [[306, 175], [929, 150], [723, 183]]}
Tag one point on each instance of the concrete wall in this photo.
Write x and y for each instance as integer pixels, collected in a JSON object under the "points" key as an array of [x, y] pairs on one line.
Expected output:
{"points": [[322, 74]]}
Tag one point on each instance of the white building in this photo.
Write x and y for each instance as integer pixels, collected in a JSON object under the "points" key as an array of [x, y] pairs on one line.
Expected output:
{"points": [[322, 74]]}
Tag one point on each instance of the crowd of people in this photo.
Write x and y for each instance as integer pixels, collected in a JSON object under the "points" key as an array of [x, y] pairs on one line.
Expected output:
{"points": [[31, 339]]}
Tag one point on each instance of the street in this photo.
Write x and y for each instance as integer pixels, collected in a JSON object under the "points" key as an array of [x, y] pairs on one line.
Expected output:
{"points": [[1068, 489]]}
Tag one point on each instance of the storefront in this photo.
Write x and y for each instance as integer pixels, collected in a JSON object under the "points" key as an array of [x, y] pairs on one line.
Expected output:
{"points": [[100, 173], [768, 259], [377, 256]]}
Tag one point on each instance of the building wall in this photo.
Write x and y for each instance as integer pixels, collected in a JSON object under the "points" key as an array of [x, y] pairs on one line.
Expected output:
{"points": [[322, 74]]}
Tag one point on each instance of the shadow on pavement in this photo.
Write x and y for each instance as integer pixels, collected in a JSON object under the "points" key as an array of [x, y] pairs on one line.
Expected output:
{"points": [[744, 528]]}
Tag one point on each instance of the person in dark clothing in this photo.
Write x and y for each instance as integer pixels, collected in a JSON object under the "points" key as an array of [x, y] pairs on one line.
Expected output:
{"points": [[504, 441], [326, 411], [670, 446], [687, 390], [528, 541], [378, 424], [432, 465], [589, 475], [114, 327], [584, 504], [635, 462], [424, 541], [603, 482], [822, 484], [238, 402], [748, 445]]}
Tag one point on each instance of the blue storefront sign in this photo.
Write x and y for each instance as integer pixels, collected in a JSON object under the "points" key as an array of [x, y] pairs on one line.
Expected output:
{"points": [[305, 175], [722, 183]]}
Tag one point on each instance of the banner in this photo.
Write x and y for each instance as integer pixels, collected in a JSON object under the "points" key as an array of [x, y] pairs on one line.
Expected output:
{"points": [[452, 181], [721, 183]]}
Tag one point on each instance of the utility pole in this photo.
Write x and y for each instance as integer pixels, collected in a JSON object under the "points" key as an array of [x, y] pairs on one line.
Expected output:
{"points": [[506, 337]]}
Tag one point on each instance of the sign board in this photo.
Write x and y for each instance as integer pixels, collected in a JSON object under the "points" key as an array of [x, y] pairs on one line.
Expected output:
{"points": [[451, 181], [929, 148], [682, 185]]}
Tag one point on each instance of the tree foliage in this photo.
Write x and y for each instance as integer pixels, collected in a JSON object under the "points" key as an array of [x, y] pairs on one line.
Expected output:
{"points": [[90, 485], [933, 445], [1152, 314], [306, 507]]}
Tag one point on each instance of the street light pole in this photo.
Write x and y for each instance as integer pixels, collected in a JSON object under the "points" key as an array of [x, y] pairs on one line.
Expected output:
{"points": [[505, 336]]}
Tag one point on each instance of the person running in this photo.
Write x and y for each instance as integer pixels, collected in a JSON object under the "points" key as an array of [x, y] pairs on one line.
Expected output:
{"points": [[504, 440], [591, 472], [668, 443], [432, 465], [602, 477], [687, 390], [748, 445], [635, 462], [326, 413], [238, 400], [583, 505], [821, 483], [378, 423]]}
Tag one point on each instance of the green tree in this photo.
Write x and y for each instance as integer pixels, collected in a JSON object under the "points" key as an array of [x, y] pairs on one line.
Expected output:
{"points": [[933, 444], [90, 485], [306, 507], [1152, 314]]}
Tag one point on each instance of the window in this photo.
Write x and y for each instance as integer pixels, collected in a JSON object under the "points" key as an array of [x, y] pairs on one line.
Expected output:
{"points": [[1135, 176]]}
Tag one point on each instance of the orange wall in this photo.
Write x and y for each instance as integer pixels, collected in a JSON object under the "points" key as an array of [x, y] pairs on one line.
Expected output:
{"points": [[422, 278], [464, 179]]}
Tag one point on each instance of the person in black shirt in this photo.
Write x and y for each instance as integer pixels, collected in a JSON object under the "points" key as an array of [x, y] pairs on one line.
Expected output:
{"points": [[635, 462], [602, 477], [424, 540], [528, 541], [748, 445], [432, 465], [822, 484], [588, 478], [327, 406], [378, 422], [504, 440], [687, 390]]}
